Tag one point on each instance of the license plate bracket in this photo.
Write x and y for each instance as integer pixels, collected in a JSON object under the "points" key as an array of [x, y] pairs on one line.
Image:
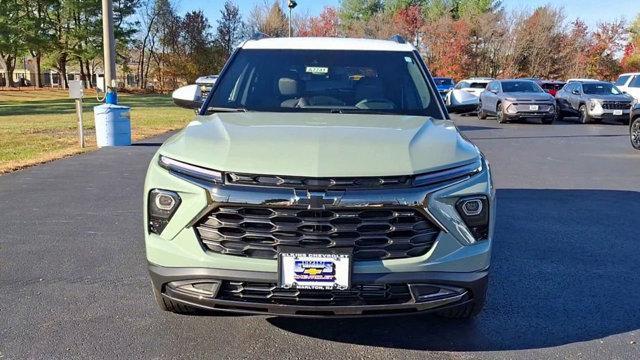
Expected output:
{"points": [[314, 269]]}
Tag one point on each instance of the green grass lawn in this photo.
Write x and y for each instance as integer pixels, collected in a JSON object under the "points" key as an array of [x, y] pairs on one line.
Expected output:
{"points": [[40, 126]]}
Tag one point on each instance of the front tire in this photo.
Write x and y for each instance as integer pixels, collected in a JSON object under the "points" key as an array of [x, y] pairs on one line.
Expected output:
{"points": [[584, 118], [482, 115], [634, 133], [500, 114]]}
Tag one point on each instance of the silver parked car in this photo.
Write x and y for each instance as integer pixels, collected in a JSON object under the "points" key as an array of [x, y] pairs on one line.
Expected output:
{"points": [[516, 99], [593, 101]]}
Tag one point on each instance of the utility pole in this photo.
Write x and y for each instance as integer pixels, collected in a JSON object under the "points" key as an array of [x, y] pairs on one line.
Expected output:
{"points": [[109, 43], [292, 5]]}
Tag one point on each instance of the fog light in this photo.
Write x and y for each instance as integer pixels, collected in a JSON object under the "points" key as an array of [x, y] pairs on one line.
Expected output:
{"points": [[472, 207], [162, 205], [474, 211], [164, 201]]}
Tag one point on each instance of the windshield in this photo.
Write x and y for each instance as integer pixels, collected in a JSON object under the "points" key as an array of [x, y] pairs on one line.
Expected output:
{"points": [[443, 81], [600, 89], [520, 86], [325, 81], [478, 85]]}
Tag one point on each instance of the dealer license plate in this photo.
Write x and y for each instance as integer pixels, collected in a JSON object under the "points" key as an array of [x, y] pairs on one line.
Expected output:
{"points": [[533, 107], [617, 112], [327, 271]]}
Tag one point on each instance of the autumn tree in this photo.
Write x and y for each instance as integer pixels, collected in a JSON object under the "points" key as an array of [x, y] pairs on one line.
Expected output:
{"points": [[409, 22], [270, 20], [327, 23], [608, 42], [631, 59], [535, 36]]}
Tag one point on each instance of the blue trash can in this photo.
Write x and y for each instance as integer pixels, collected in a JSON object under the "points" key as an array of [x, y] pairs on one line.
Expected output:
{"points": [[113, 125]]}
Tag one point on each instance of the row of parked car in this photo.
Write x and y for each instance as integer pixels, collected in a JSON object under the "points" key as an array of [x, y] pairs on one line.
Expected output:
{"points": [[588, 100]]}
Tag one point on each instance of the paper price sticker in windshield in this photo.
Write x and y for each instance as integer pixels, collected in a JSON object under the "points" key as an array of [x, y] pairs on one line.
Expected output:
{"points": [[317, 70]]}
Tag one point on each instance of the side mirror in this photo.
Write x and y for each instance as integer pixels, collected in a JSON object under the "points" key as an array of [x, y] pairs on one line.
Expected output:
{"points": [[189, 97], [576, 92], [494, 91]]}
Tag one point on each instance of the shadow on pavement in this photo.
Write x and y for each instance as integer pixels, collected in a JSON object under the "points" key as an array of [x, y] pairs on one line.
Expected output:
{"points": [[474, 128], [564, 270]]}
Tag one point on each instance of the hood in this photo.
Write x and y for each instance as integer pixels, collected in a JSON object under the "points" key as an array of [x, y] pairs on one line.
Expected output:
{"points": [[521, 96], [621, 97], [444, 87], [320, 145]]}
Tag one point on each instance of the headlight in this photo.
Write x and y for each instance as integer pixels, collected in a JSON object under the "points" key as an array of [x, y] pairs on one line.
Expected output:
{"points": [[593, 103], [511, 109], [449, 174], [161, 207], [190, 171]]}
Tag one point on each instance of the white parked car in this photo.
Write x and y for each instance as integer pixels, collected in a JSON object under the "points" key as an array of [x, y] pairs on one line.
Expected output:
{"points": [[465, 95], [630, 83]]}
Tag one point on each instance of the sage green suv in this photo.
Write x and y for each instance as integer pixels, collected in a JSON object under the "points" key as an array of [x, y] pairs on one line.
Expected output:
{"points": [[321, 177]]}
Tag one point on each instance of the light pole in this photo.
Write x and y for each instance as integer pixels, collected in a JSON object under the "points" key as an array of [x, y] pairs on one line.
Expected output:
{"points": [[292, 5], [108, 39]]}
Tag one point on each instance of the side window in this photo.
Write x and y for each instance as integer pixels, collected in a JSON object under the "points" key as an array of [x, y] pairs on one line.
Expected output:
{"points": [[622, 80], [462, 85], [635, 82], [578, 87], [496, 86]]}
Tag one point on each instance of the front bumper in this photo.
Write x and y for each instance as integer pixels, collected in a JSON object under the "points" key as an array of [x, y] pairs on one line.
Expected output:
{"points": [[457, 289], [608, 115], [455, 259]]}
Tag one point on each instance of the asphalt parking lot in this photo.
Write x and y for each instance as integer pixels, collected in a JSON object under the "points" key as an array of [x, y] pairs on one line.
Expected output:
{"points": [[566, 264]]}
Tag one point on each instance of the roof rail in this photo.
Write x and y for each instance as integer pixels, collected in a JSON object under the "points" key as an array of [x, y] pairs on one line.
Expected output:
{"points": [[398, 38], [259, 35]]}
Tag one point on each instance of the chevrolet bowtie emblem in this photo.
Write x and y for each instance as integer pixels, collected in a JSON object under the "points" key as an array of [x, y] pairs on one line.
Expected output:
{"points": [[317, 200]]}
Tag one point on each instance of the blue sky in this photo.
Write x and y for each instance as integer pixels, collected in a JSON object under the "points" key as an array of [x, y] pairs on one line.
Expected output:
{"points": [[591, 11]]}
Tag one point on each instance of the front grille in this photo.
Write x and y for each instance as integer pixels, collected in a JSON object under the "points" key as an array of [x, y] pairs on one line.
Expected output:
{"points": [[319, 183], [616, 105], [272, 294], [372, 234], [526, 108]]}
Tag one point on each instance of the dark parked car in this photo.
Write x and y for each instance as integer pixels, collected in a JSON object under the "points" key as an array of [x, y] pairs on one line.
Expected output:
{"points": [[593, 101], [551, 86], [634, 126], [444, 85], [516, 99]]}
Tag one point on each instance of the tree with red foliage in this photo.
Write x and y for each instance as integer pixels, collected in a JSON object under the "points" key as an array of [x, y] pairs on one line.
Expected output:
{"points": [[448, 47], [608, 41], [409, 21], [325, 24]]}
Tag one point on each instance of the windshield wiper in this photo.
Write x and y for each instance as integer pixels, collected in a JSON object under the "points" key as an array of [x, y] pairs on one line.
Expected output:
{"points": [[223, 109]]}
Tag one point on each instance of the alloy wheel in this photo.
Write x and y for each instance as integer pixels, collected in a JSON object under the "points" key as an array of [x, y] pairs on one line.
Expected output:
{"points": [[635, 134]]}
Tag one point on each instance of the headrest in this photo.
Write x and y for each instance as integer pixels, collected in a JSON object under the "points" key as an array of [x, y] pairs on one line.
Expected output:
{"points": [[287, 86]]}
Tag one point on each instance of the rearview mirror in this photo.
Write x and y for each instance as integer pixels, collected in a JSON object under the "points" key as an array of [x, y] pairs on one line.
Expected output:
{"points": [[189, 97]]}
